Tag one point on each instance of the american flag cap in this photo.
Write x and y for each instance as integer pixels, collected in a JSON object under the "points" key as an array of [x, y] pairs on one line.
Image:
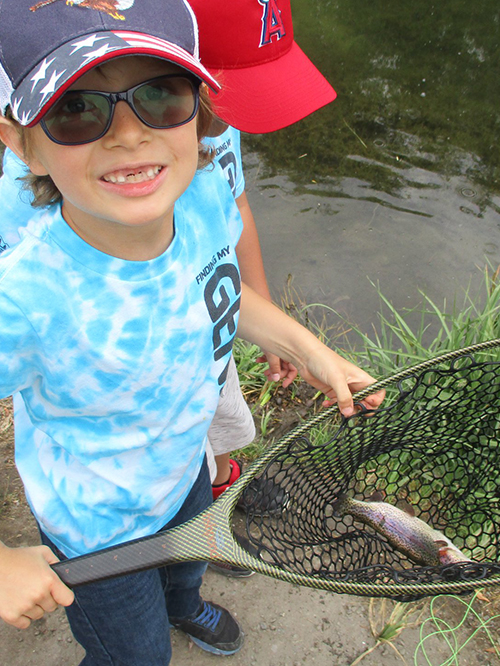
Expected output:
{"points": [[46, 46]]}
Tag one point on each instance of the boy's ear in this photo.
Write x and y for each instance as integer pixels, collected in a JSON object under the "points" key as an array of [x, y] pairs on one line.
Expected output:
{"points": [[10, 137]]}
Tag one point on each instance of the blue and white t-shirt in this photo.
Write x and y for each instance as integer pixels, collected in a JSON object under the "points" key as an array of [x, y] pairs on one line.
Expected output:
{"points": [[228, 154], [118, 365]]}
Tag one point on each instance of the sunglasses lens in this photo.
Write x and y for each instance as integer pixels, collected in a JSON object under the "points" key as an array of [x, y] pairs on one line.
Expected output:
{"points": [[78, 117], [166, 101]]}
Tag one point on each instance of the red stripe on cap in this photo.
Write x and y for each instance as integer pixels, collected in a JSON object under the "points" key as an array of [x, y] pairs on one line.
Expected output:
{"points": [[138, 39]]}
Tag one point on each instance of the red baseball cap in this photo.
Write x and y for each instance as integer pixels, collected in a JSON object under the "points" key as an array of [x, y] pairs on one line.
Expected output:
{"points": [[267, 81]]}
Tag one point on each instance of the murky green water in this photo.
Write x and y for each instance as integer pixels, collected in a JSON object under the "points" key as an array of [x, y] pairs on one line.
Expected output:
{"points": [[397, 180]]}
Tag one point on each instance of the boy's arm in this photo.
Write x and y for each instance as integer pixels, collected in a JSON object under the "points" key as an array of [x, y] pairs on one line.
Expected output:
{"points": [[264, 324], [28, 586], [253, 274]]}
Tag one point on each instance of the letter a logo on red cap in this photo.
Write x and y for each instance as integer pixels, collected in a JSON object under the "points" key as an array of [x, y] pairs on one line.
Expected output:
{"points": [[272, 23]]}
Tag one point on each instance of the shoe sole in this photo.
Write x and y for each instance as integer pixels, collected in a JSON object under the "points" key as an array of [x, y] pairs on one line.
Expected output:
{"points": [[213, 650]]}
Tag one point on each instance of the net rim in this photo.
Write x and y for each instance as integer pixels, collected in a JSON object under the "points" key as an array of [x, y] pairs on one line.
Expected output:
{"points": [[395, 590]]}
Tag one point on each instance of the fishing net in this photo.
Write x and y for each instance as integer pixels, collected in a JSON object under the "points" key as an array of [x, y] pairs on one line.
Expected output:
{"points": [[433, 445]]}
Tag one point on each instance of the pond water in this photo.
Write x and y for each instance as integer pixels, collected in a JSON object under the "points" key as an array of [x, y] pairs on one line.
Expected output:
{"points": [[397, 182]]}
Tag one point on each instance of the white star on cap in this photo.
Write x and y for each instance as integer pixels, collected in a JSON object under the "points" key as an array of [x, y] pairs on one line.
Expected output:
{"points": [[16, 103], [84, 43], [105, 48], [51, 85], [25, 118], [41, 72]]}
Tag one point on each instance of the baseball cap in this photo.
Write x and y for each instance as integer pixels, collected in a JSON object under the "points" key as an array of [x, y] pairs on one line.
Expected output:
{"points": [[45, 46], [267, 80]]}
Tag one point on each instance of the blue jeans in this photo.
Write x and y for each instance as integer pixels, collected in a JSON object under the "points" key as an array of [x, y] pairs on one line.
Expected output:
{"points": [[124, 621]]}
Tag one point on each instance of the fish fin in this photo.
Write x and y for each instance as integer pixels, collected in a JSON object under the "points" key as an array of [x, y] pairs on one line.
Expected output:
{"points": [[441, 544], [408, 508], [376, 496]]}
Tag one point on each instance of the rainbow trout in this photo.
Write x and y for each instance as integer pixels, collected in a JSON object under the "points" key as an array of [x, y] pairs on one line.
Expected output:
{"points": [[405, 532]]}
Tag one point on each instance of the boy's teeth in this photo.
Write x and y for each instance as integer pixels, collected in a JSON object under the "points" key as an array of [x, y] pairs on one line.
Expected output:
{"points": [[132, 177]]}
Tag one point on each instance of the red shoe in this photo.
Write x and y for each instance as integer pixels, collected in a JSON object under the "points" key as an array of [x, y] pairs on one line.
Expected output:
{"points": [[235, 474]]}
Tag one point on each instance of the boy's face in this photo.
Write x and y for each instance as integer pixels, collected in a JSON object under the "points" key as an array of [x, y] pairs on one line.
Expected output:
{"points": [[128, 181]]}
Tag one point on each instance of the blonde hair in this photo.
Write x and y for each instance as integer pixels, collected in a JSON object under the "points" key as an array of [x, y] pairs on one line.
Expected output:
{"points": [[43, 189]]}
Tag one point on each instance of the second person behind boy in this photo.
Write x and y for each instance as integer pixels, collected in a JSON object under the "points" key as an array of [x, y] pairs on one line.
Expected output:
{"points": [[267, 83]]}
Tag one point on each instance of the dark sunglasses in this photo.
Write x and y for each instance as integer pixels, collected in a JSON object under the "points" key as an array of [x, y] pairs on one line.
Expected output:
{"points": [[83, 116]]}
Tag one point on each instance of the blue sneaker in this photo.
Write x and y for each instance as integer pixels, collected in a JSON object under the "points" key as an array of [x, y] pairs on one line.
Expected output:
{"points": [[212, 628]]}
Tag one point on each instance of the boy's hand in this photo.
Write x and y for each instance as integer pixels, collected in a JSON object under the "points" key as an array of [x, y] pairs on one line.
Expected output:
{"points": [[28, 586], [338, 379], [263, 324], [278, 369]]}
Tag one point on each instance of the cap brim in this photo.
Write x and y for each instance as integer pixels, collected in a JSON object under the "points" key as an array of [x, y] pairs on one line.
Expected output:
{"points": [[267, 97], [41, 88]]}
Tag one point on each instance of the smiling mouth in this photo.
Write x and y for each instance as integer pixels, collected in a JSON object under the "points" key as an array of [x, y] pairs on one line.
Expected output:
{"points": [[140, 175]]}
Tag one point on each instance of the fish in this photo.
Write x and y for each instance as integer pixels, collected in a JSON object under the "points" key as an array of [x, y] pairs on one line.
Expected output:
{"points": [[408, 534]]}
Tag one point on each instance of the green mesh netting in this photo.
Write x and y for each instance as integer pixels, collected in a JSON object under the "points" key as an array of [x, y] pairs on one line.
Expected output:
{"points": [[434, 444]]}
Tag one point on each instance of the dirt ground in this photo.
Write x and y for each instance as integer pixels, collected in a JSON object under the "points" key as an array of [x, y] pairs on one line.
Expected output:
{"points": [[284, 625]]}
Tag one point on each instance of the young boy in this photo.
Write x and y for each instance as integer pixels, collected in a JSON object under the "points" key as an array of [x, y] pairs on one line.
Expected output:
{"points": [[117, 316], [253, 51]]}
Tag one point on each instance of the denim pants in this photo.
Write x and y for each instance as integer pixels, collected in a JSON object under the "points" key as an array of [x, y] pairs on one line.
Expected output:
{"points": [[124, 621]]}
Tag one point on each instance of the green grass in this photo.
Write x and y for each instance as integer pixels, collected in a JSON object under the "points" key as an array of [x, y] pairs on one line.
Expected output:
{"points": [[400, 338], [396, 343]]}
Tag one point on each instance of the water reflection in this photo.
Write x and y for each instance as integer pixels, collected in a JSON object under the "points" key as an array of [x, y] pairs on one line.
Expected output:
{"points": [[398, 179], [416, 81]]}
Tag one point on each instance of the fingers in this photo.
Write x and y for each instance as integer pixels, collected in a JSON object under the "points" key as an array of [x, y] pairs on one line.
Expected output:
{"points": [[339, 379], [22, 622], [371, 402], [274, 366], [29, 588], [278, 369], [62, 595], [374, 400], [34, 613], [334, 375], [48, 555], [22, 617], [273, 372], [291, 374], [343, 397]]}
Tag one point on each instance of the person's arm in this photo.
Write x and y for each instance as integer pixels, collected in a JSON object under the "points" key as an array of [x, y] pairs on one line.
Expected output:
{"points": [[249, 252], [264, 324], [28, 586], [253, 274]]}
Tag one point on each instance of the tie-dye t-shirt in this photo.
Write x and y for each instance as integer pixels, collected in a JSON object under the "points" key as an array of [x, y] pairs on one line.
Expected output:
{"points": [[227, 148], [119, 365]]}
